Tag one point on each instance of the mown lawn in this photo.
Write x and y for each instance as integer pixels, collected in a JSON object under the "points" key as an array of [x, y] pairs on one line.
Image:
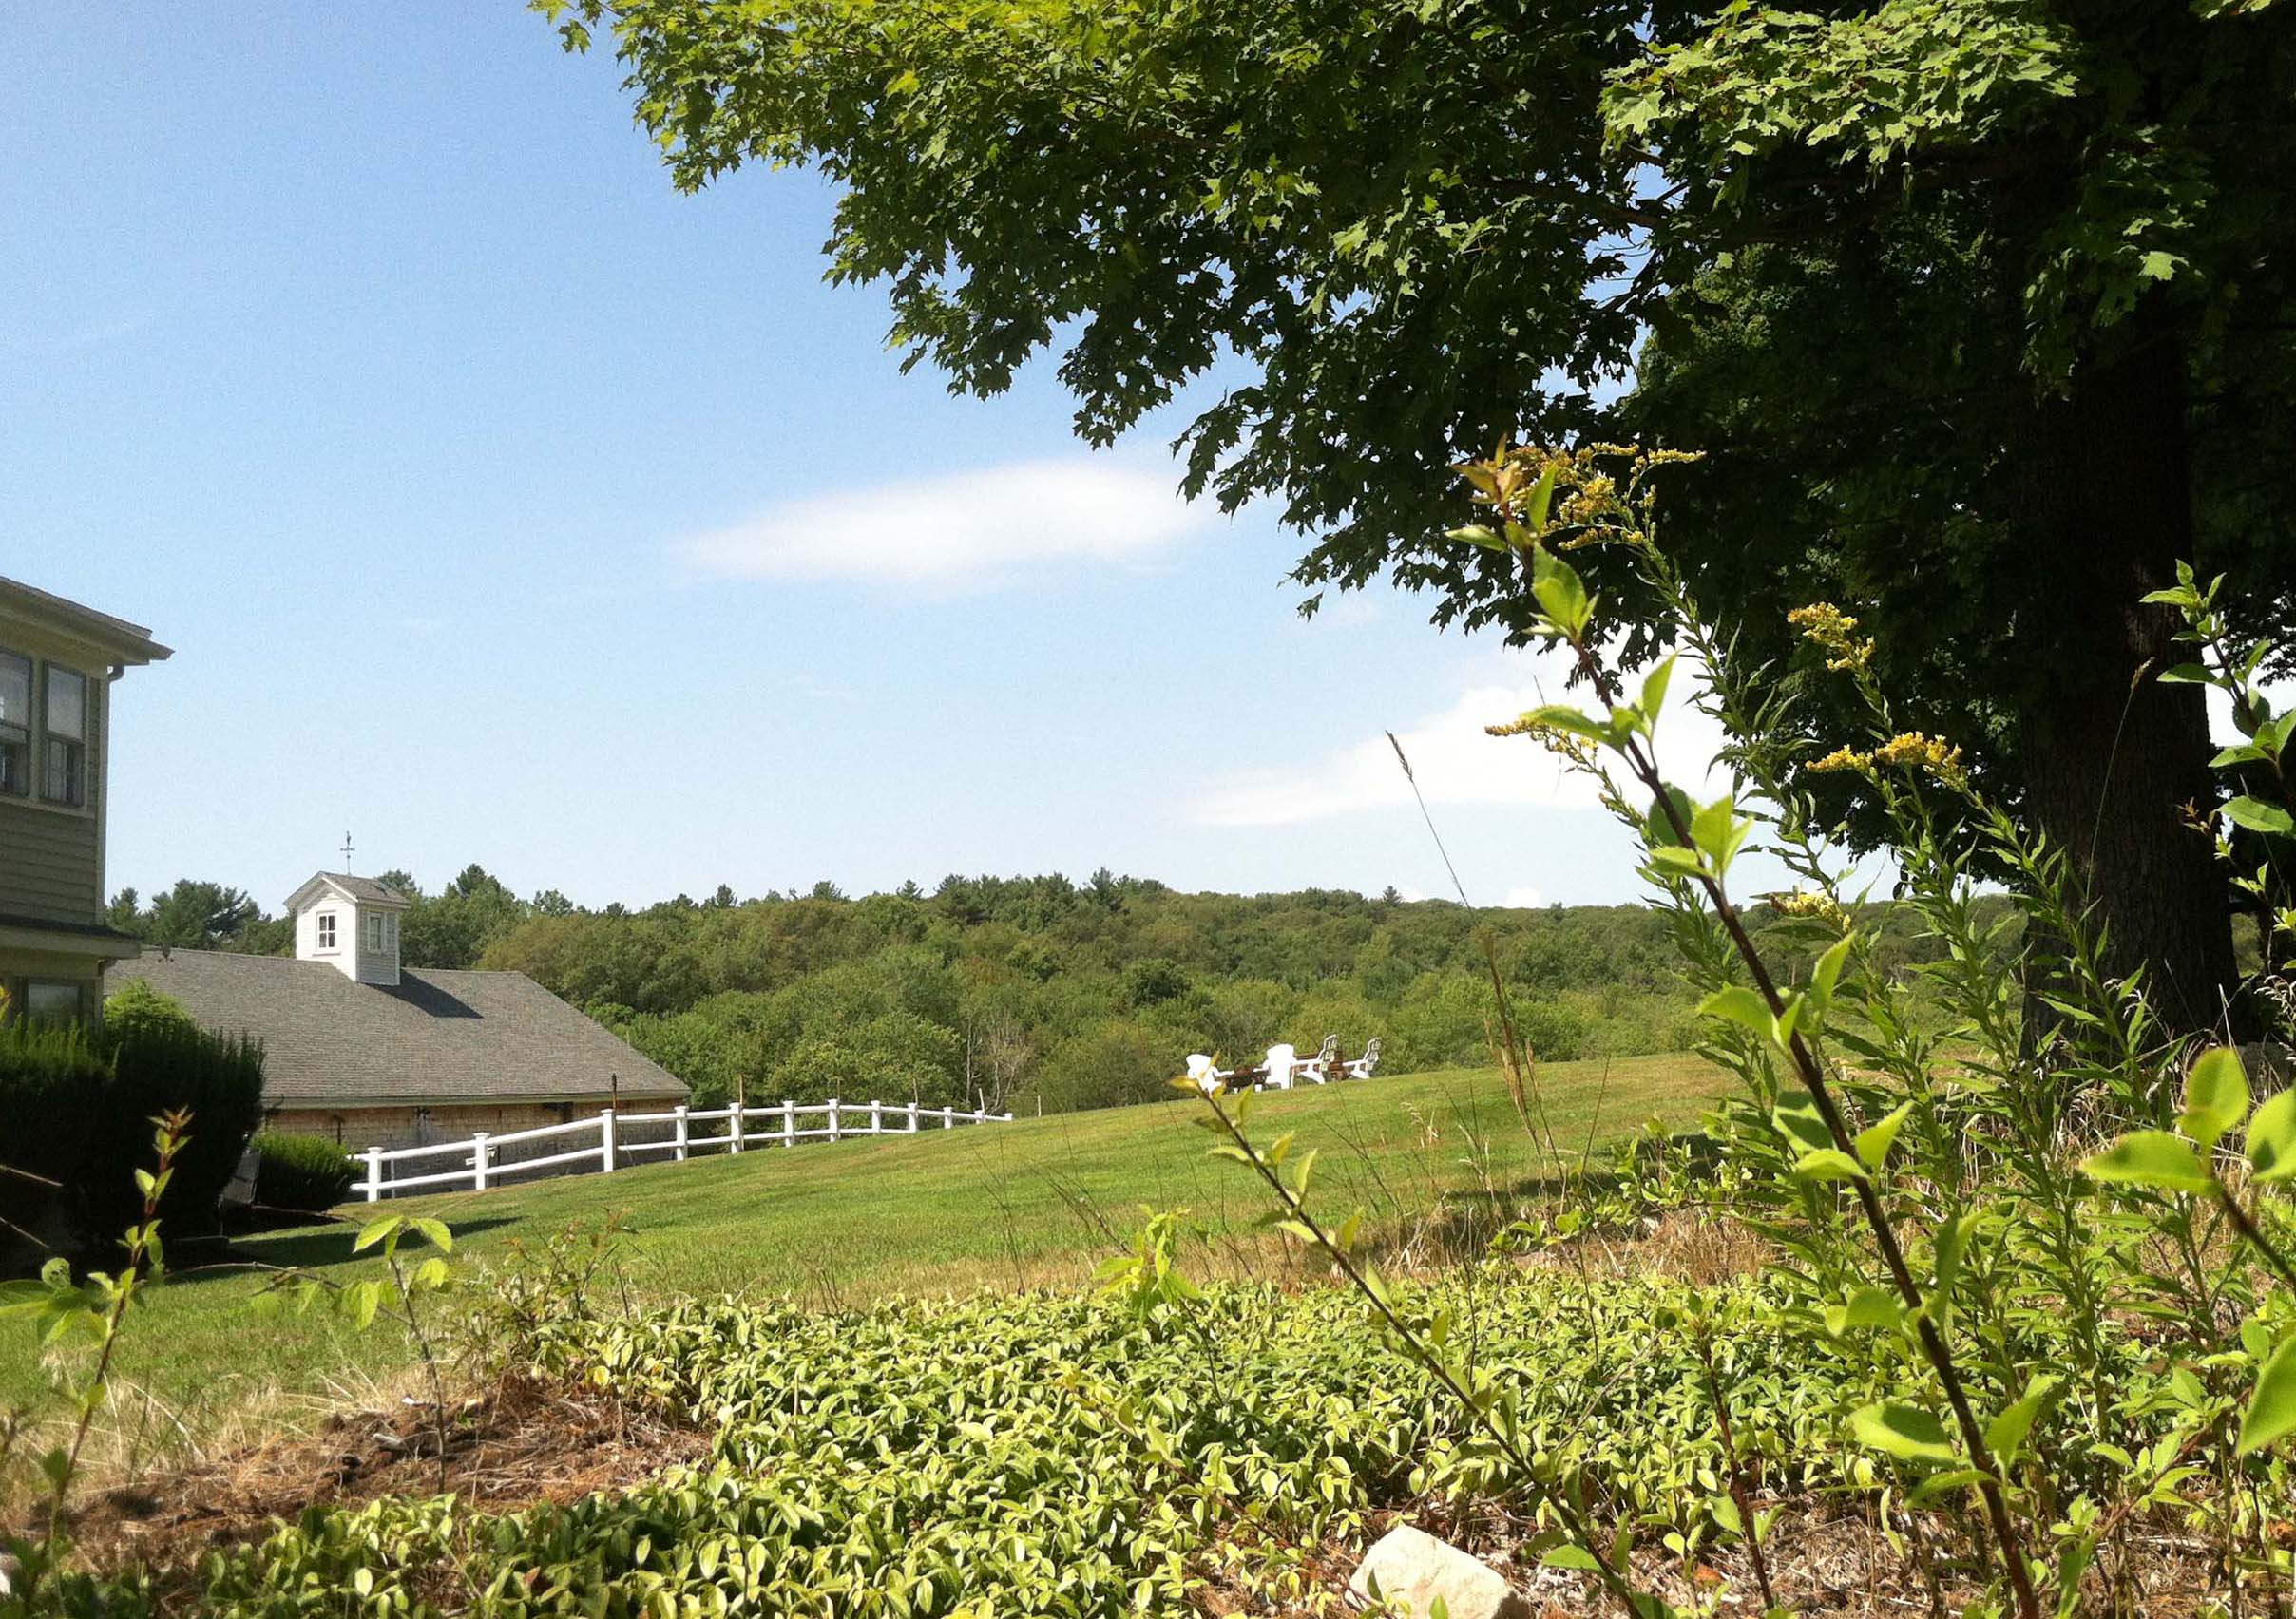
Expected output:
{"points": [[997, 1207]]}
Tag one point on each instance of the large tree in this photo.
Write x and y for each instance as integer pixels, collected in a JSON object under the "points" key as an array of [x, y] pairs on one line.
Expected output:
{"points": [[2036, 254]]}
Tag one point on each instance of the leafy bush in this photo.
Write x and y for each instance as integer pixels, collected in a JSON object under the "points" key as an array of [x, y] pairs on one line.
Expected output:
{"points": [[308, 1174], [135, 1007], [76, 1110]]}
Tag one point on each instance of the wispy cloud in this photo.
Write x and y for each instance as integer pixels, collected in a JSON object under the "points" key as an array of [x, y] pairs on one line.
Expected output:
{"points": [[963, 531], [1453, 758]]}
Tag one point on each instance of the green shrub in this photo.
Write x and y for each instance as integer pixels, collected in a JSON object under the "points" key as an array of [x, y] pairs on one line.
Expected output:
{"points": [[135, 1007], [308, 1174], [46, 1073], [76, 1109]]}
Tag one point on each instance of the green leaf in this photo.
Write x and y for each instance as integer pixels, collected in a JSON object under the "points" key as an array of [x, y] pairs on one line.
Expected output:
{"points": [[2184, 674], [1674, 858], [1542, 501], [1827, 972], [1906, 1432], [1797, 1118], [1866, 1308], [435, 1230], [1560, 592], [1570, 1556], [2271, 1411], [2272, 1138], [1876, 1139], [2259, 816], [1718, 830], [1828, 1164], [374, 1232], [1738, 1004], [1654, 691], [2152, 1158], [2216, 1095], [1561, 717], [1481, 534], [2006, 1433]]}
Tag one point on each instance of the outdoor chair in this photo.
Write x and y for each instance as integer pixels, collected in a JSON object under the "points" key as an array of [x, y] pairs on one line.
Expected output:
{"points": [[1361, 1068]]}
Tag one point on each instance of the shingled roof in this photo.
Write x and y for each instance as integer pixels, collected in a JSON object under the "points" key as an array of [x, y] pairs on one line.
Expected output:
{"points": [[434, 1038]]}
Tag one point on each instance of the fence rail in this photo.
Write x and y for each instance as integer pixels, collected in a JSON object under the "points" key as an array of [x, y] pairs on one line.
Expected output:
{"points": [[627, 1138]]}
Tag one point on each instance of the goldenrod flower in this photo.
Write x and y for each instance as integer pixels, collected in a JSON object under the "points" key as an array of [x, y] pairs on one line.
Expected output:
{"points": [[1810, 903], [1829, 628], [1844, 759], [1911, 750]]}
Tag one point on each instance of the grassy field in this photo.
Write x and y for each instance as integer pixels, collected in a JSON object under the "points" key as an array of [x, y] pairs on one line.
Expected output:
{"points": [[1000, 1206]]}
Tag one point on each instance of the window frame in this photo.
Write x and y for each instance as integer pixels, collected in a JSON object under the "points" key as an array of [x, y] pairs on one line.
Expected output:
{"points": [[22, 735], [71, 792], [32, 987], [323, 933], [371, 934]]}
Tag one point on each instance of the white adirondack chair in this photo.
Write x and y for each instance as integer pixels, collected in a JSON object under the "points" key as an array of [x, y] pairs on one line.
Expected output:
{"points": [[1361, 1068], [1202, 1073], [1282, 1061], [1319, 1069]]}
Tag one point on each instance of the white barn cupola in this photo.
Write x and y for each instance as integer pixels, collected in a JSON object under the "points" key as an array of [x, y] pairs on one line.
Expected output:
{"points": [[351, 923]]}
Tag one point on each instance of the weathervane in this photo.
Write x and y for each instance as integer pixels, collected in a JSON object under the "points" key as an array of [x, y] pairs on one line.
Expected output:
{"points": [[346, 853]]}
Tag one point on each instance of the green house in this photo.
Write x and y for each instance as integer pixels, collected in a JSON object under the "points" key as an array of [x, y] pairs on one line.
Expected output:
{"points": [[58, 661]]}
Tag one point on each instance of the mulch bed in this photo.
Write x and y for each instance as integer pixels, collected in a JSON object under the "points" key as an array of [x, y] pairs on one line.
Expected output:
{"points": [[517, 1445]]}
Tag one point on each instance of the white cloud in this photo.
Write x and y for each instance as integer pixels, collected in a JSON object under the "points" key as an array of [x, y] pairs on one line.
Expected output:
{"points": [[1454, 760], [962, 530], [1524, 899]]}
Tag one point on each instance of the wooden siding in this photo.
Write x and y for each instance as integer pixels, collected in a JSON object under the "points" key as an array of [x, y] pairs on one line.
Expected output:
{"points": [[51, 865]]}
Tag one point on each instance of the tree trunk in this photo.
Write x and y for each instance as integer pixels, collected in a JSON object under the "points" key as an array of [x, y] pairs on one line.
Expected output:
{"points": [[2109, 757]]}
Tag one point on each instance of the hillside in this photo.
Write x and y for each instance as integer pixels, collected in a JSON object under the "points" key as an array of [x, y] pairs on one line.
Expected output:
{"points": [[1023, 993], [988, 1207]]}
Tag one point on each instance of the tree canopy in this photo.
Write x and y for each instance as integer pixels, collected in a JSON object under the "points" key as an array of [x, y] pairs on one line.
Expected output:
{"points": [[2039, 251]]}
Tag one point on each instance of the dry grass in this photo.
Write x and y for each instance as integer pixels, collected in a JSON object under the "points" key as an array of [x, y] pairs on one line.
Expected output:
{"points": [[513, 1446]]}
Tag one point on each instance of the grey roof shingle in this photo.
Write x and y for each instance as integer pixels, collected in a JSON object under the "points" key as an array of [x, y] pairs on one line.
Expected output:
{"points": [[364, 889], [438, 1037]]}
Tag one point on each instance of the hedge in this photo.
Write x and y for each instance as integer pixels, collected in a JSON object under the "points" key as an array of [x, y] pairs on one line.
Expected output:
{"points": [[76, 1109], [308, 1174]]}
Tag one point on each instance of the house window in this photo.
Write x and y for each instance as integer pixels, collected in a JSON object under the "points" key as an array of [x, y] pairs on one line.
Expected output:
{"points": [[15, 724], [375, 933], [422, 1127], [64, 774], [322, 929], [53, 1002]]}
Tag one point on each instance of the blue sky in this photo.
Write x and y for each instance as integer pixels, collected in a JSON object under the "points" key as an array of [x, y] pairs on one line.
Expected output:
{"points": [[503, 504]]}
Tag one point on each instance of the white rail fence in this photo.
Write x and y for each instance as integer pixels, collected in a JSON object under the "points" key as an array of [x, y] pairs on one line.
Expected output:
{"points": [[620, 1138]]}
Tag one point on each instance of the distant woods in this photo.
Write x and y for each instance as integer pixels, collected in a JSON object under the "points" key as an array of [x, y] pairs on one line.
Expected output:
{"points": [[1013, 992]]}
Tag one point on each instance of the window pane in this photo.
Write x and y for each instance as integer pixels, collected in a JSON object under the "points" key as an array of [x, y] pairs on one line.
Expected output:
{"points": [[15, 690], [52, 1002], [66, 704], [65, 783]]}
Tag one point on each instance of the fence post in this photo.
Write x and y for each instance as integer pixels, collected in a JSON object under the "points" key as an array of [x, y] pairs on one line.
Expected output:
{"points": [[980, 1116], [876, 1118], [374, 1173], [912, 1118], [949, 1118], [832, 1121], [606, 1139], [478, 1160], [788, 1122], [679, 1150]]}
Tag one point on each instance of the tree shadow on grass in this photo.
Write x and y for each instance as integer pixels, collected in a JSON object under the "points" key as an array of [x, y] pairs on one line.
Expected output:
{"points": [[313, 1248]]}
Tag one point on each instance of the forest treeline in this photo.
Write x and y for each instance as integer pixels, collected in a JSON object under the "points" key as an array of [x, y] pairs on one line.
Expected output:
{"points": [[1022, 991]]}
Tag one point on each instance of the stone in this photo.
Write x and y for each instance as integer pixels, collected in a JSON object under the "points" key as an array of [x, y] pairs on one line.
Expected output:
{"points": [[1413, 1569]]}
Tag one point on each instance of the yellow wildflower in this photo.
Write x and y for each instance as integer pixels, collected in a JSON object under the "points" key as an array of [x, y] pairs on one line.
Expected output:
{"points": [[1829, 628], [1911, 750], [1810, 903], [1844, 759]]}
